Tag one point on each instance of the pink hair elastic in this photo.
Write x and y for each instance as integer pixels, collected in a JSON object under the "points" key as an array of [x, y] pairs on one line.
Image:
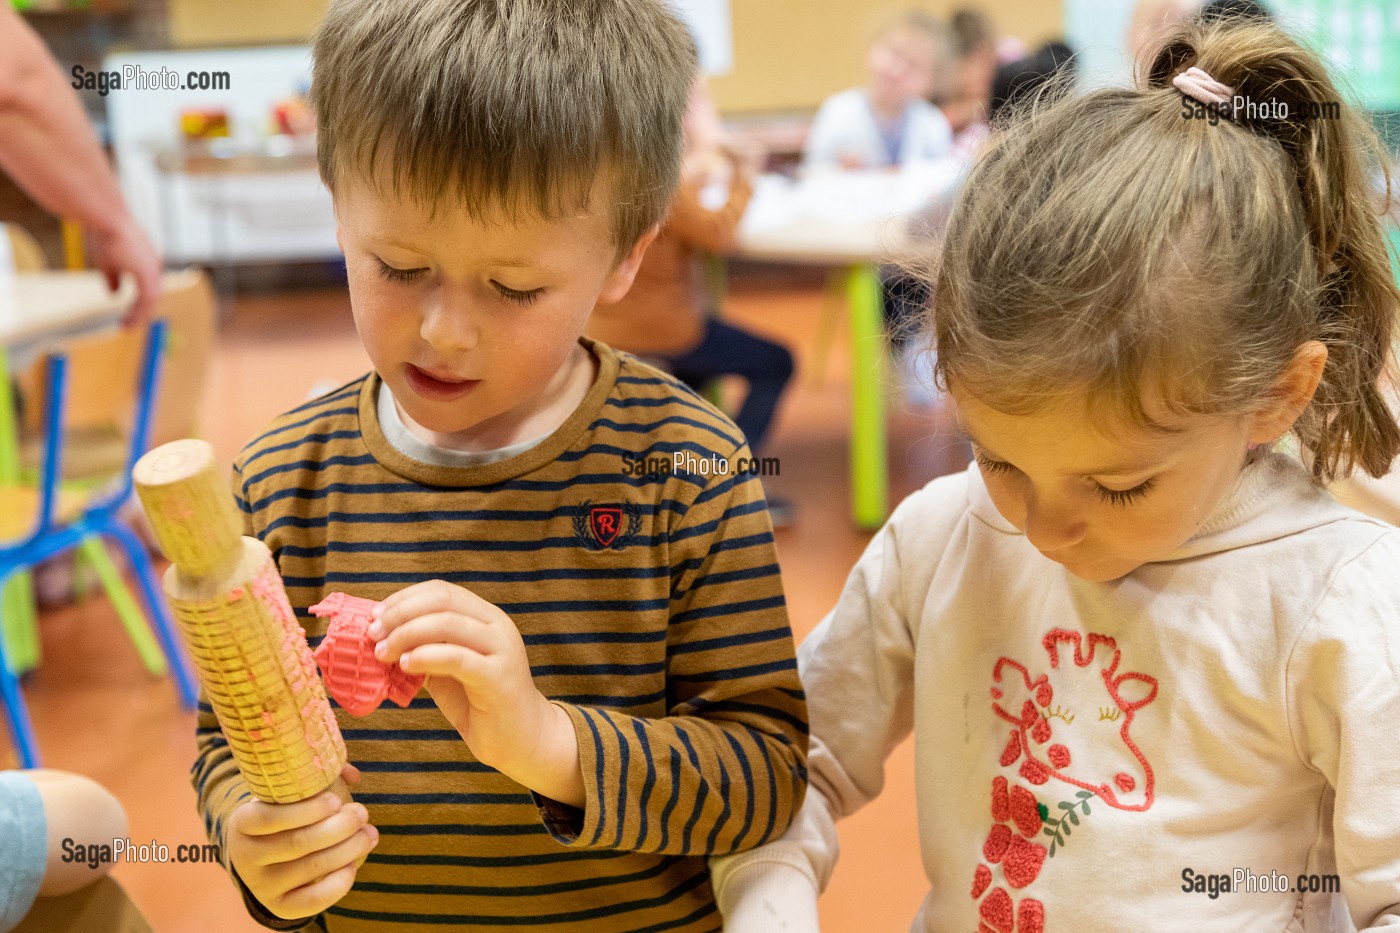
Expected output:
{"points": [[1195, 83]]}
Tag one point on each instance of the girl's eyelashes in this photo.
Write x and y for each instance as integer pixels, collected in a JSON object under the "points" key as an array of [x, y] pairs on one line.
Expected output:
{"points": [[1111, 496], [1125, 496], [397, 275], [988, 465], [517, 296]]}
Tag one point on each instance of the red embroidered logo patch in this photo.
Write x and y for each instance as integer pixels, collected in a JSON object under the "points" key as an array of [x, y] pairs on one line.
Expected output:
{"points": [[607, 527]]}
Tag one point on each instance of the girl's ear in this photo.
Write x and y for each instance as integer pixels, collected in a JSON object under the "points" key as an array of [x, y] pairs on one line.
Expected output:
{"points": [[619, 280], [1291, 394]]}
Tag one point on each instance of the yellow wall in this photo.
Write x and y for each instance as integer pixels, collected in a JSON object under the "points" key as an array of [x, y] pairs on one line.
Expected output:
{"points": [[248, 22], [788, 54], [791, 54]]}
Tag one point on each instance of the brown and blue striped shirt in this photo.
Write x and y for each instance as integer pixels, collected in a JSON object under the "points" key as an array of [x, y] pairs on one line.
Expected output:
{"points": [[650, 605]]}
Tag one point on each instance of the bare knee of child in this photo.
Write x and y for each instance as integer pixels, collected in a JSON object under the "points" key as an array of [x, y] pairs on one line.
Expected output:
{"points": [[78, 812]]}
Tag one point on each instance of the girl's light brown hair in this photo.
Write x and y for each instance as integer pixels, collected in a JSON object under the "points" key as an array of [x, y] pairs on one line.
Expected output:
{"points": [[1125, 243]]}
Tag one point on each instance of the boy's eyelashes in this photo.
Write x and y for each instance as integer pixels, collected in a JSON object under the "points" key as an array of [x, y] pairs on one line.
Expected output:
{"points": [[394, 274], [519, 297], [1111, 496]]}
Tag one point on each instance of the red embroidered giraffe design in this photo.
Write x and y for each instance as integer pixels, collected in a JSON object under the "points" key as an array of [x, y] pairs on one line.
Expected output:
{"points": [[1115, 770]]}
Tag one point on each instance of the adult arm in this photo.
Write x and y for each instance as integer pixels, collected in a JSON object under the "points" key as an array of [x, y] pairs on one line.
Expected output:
{"points": [[48, 147]]}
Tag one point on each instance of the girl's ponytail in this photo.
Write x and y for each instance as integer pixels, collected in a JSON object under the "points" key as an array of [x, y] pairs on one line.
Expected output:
{"points": [[1282, 92]]}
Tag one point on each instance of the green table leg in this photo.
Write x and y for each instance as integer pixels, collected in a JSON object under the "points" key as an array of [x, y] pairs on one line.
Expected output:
{"points": [[19, 623], [869, 467]]}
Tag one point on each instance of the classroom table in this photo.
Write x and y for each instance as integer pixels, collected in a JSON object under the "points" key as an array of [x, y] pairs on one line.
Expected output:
{"points": [[849, 222], [40, 309]]}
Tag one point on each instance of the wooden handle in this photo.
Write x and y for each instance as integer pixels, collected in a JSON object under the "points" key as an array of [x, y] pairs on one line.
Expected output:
{"points": [[251, 655], [186, 497]]}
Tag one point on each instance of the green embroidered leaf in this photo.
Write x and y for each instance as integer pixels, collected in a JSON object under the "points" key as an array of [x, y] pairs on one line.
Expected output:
{"points": [[1084, 794], [1044, 811], [1065, 805], [1074, 818]]}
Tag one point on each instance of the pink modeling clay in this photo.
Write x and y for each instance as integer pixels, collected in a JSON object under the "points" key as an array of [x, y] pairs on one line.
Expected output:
{"points": [[354, 676]]}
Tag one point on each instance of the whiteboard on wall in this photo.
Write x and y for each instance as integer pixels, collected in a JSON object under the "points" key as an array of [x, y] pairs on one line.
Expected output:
{"points": [[1097, 30], [710, 23], [262, 216], [1359, 39]]}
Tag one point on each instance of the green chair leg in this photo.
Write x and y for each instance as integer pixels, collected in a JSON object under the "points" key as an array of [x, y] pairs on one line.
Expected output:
{"points": [[869, 460], [133, 619], [21, 624], [20, 627], [80, 587]]}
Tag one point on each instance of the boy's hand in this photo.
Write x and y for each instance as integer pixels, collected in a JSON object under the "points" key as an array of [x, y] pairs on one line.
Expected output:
{"points": [[479, 675], [298, 859]]}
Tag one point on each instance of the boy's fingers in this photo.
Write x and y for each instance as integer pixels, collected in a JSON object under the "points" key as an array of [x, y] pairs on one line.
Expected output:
{"points": [[431, 596], [449, 628], [257, 818], [311, 868], [309, 900], [461, 664], [294, 844]]}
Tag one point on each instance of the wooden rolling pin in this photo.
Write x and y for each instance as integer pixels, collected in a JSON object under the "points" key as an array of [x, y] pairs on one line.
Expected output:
{"points": [[251, 655]]}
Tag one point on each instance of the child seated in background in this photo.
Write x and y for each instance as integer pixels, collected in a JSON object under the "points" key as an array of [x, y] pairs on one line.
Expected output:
{"points": [[39, 809], [611, 689], [969, 93], [667, 314], [889, 121]]}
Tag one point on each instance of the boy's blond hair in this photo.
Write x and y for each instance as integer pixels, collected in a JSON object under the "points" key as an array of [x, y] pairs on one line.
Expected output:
{"points": [[1140, 246], [506, 105]]}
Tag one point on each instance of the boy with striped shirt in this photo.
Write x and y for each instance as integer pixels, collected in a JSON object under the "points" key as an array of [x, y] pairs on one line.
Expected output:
{"points": [[611, 694]]}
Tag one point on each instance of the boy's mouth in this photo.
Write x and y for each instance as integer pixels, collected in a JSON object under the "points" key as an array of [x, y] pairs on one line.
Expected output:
{"points": [[438, 388]]}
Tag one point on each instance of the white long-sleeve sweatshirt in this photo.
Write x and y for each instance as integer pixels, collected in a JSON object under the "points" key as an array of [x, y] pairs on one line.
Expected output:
{"points": [[1093, 756]]}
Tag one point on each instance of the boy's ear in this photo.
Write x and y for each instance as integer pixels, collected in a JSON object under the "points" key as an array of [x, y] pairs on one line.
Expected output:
{"points": [[1291, 394], [619, 280]]}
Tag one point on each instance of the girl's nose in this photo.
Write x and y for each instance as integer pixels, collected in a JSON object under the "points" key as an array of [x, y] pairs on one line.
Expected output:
{"points": [[1052, 526]]}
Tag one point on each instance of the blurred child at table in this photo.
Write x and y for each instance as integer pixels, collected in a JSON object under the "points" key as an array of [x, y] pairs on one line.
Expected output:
{"points": [[1137, 641], [969, 92], [40, 811], [889, 121], [668, 313]]}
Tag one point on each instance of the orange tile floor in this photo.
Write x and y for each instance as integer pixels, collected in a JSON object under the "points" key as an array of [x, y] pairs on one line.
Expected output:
{"points": [[98, 713]]}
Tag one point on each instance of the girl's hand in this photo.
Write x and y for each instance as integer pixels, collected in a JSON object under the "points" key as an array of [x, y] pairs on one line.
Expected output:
{"points": [[479, 675]]}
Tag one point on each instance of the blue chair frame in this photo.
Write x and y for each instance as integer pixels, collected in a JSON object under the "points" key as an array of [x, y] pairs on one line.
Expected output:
{"points": [[99, 517]]}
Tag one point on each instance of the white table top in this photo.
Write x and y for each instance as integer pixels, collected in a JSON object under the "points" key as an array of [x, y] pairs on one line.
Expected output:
{"points": [[52, 305], [840, 218]]}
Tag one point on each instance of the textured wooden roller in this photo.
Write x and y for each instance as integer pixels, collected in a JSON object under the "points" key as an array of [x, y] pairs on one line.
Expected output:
{"points": [[250, 653]]}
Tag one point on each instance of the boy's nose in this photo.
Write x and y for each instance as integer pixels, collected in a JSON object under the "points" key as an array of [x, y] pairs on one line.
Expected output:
{"points": [[447, 327]]}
